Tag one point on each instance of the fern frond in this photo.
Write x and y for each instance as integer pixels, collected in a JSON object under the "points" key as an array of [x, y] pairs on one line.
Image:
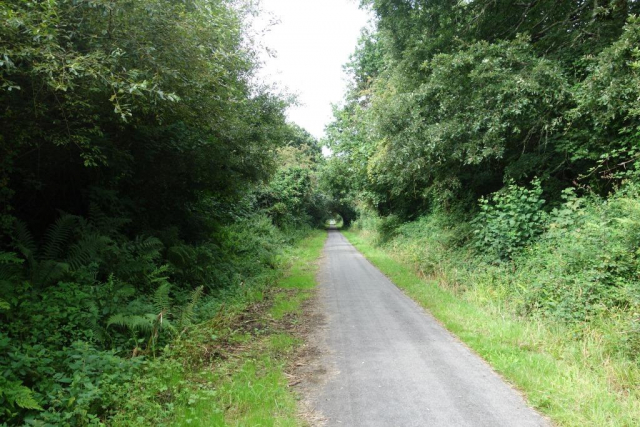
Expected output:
{"points": [[186, 313], [10, 268], [143, 323], [161, 298], [97, 217], [99, 333], [158, 274], [8, 273], [196, 295], [87, 250], [24, 399], [9, 258], [117, 320], [124, 290], [57, 236], [16, 394], [180, 256], [138, 258], [104, 223], [168, 325], [24, 240], [48, 271], [126, 269], [148, 246]]}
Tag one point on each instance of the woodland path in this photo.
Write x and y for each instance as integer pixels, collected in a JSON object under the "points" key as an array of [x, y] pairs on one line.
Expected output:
{"points": [[393, 364]]}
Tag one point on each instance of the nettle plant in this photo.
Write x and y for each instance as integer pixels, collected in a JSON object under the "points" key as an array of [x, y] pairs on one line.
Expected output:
{"points": [[509, 220]]}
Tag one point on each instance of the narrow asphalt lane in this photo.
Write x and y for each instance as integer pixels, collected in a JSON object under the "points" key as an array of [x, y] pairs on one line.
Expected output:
{"points": [[394, 364]]}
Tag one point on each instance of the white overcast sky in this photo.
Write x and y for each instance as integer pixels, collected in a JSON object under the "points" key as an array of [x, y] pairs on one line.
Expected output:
{"points": [[311, 42]]}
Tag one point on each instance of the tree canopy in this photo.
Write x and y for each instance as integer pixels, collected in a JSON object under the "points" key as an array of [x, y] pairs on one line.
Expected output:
{"points": [[450, 100]]}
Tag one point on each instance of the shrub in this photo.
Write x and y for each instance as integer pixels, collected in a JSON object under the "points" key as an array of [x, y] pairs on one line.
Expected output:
{"points": [[509, 220], [586, 264]]}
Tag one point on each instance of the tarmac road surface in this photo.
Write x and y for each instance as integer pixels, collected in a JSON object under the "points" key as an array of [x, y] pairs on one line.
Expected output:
{"points": [[393, 364]]}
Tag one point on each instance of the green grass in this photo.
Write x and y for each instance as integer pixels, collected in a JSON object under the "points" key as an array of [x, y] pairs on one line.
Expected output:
{"points": [[224, 375], [573, 381], [288, 303], [253, 392], [283, 343]]}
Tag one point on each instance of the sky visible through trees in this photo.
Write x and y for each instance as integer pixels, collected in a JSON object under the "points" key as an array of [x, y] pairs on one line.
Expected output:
{"points": [[311, 41]]}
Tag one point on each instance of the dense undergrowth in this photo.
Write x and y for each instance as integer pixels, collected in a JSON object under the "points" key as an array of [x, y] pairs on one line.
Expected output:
{"points": [[575, 264], [75, 344]]}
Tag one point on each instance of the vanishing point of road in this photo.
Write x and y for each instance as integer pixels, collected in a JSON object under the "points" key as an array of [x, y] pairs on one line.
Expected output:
{"points": [[393, 364]]}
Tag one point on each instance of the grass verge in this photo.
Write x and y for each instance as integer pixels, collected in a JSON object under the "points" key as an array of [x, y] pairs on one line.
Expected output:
{"points": [[230, 371], [569, 380]]}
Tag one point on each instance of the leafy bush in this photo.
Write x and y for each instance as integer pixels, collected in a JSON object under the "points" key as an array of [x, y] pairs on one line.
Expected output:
{"points": [[291, 198], [605, 123], [45, 384], [587, 263], [367, 222], [509, 220], [85, 387]]}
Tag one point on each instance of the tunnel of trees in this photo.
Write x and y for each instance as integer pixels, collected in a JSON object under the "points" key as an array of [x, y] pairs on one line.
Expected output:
{"points": [[142, 166]]}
